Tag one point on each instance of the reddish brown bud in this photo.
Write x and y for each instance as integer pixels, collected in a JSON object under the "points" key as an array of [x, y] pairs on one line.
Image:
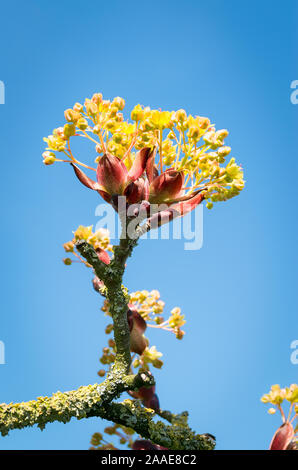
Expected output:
{"points": [[103, 255], [148, 397], [137, 326], [140, 162], [111, 174], [137, 191], [166, 186], [282, 437], [97, 284], [143, 444]]}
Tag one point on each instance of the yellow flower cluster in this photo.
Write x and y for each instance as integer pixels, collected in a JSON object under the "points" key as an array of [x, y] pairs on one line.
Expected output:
{"points": [[277, 395], [150, 307], [98, 239], [183, 142], [108, 353], [176, 320], [151, 356], [148, 304], [121, 433]]}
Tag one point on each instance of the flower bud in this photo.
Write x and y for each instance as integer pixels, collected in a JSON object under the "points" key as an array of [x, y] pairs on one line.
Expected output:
{"points": [[137, 113], [97, 284], [209, 137], [113, 111], [179, 333], [71, 115], [148, 397], [59, 132], [204, 123], [119, 102], [96, 439], [82, 124], [180, 115], [119, 117], [194, 133], [158, 320], [224, 151], [67, 261], [282, 437], [221, 134], [136, 363], [91, 107], [118, 138], [143, 444], [137, 191], [152, 403], [109, 430], [157, 363], [110, 124], [293, 445], [111, 174], [68, 247], [166, 186], [109, 329], [96, 98], [48, 158], [105, 104], [137, 326], [78, 107], [69, 130], [101, 373]]}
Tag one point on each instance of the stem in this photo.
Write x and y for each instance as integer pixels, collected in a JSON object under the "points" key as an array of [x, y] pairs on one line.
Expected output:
{"points": [[112, 276], [160, 150]]}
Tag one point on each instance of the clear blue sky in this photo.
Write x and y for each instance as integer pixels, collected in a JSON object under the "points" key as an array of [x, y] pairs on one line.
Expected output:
{"points": [[232, 61]]}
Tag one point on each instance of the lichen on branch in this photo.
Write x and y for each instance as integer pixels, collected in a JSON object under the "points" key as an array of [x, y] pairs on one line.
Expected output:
{"points": [[64, 406], [177, 436]]}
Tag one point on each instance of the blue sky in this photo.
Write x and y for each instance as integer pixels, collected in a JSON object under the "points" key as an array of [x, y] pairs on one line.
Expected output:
{"points": [[231, 61]]}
